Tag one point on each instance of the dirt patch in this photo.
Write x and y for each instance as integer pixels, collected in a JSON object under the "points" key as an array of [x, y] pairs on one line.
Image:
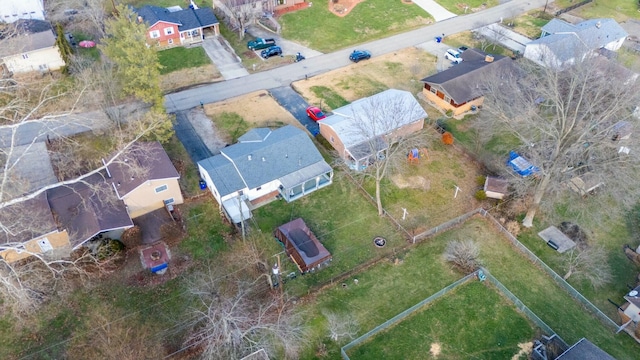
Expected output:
{"points": [[435, 350], [257, 108], [187, 77], [412, 182], [399, 70], [525, 349], [211, 137], [342, 7]]}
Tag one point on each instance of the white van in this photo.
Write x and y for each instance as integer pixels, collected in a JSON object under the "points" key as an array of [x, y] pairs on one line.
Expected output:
{"points": [[453, 55]]}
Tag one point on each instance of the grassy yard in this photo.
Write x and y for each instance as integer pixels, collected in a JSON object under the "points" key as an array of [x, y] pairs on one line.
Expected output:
{"points": [[179, 57], [621, 10], [473, 321], [189, 177], [369, 20], [529, 24], [458, 7], [421, 272], [468, 39]]}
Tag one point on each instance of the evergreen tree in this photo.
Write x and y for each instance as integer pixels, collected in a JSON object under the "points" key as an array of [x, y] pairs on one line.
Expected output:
{"points": [[64, 48]]}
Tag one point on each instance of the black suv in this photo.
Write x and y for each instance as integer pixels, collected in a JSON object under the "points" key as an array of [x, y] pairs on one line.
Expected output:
{"points": [[272, 51]]}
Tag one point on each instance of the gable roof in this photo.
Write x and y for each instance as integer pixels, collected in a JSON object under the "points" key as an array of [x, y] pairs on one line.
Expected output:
{"points": [[186, 19], [18, 220], [565, 40], [462, 82], [87, 208], [144, 161], [584, 350], [344, 121], [31, 35], [261, 156]]}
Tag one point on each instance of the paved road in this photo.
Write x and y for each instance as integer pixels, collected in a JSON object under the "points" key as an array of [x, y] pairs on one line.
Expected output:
{"points": [[285, 75], [296, 105]]}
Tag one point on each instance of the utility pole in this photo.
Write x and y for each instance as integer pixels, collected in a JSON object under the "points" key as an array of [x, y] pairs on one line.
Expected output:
{"points": [[545, 6]]}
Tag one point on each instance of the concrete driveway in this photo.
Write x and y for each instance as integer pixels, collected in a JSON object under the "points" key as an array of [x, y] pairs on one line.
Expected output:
{"points": [[296, 105], [434, 9], [224, 57]]}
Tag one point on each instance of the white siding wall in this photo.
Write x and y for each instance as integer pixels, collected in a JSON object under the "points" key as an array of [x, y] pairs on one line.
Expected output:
{"points": [[38, 60], [13, 10]]}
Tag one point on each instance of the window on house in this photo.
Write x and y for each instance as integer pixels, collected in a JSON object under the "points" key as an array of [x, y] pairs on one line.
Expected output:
{"points": [[169, 201], [258, 188], [331, 138], [161, 188], [25, 56], [447, 99], [433, 90], [168, 31], [154, 34], [281, 2], [170, 41]]}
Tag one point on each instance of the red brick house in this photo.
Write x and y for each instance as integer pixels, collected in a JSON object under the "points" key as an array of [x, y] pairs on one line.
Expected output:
{"points": [[172, 28]]}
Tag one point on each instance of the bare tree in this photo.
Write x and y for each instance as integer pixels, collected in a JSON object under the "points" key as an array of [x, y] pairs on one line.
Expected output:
{"points": [[236, 316], [341, 326], [463, 254], [86, 15], [241, 13], [387, 127], [572, 123], [590, 263]]}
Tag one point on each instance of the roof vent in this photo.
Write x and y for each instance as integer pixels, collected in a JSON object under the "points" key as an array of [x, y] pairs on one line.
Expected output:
{"points": [[140, 19], [263, 159], [488, 58], [249, 157], [598, 24], [126, 160]]}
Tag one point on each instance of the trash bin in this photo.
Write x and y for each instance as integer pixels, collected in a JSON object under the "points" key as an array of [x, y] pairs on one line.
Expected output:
{"points": [[438, 39], [203, 185]]}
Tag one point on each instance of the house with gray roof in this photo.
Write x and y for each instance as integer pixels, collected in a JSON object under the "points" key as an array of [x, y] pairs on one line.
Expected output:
{"points": [[360, 131], [29, 46], [459, 89], [171, 27], [264, 165], [561, 43]]}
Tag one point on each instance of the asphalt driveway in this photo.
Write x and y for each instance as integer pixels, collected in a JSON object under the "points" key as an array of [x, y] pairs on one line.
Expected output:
{"points": [[186, 133], [296, 105]]}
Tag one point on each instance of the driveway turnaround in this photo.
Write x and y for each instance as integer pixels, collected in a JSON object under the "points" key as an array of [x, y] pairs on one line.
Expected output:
{"points": [[189, 138], [434, 9], [296, 105]]}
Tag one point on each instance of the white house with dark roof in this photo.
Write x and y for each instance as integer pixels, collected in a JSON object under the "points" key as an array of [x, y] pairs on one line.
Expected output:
{"points": [[32, 48], [359, 131], [561, 43], [262, 166]]}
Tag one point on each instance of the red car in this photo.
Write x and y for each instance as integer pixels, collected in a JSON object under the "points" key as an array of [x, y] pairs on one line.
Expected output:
{"points": [[315, 113]]}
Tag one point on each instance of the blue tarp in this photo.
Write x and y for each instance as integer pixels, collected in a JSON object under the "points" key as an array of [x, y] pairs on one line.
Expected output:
{"points": [[521, 165]]}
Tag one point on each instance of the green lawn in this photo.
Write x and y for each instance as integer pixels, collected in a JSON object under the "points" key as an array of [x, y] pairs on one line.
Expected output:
{"points": [[621, 10], [473, 321], [369, 20], [529, 24], [421, 272], [458, 7], [182, 58]]}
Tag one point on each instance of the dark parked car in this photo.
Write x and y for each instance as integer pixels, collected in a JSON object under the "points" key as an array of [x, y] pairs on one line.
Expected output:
{"points": [[259, 44], [272, 51], [315, 113], [358, 55]]}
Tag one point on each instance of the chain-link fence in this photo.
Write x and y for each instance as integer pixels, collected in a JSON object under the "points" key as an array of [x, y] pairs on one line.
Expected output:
{"points": [[396, 319], [447, 225], [557, 278]]}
